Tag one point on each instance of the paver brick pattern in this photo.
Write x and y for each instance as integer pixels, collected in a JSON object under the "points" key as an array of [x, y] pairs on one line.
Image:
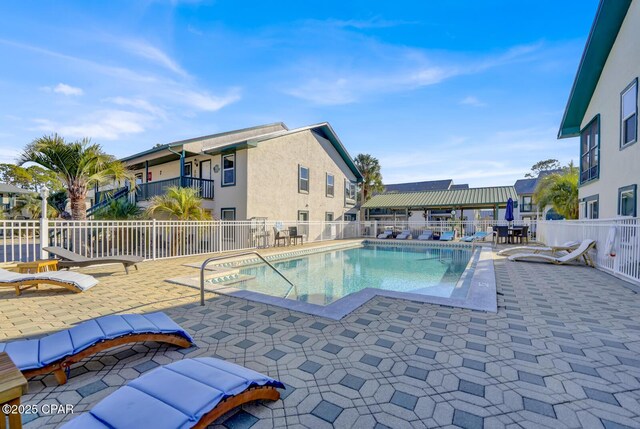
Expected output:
{"points": [[561, 352]]}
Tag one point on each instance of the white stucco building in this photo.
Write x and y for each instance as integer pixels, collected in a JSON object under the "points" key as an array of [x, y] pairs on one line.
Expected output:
{"points": [[603, 111]]}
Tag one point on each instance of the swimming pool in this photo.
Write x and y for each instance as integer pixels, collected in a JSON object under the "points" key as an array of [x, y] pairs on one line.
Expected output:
{"points": [[325, 277]]}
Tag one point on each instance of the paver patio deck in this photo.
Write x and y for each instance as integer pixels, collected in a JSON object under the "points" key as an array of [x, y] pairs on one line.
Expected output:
{"points": [[562, 351]]}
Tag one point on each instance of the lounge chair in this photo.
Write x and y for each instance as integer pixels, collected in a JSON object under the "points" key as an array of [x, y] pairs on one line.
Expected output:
{"points": [[478, 236], [58, 351], [569, 246], [404, 235], [426, 235], [581, 251], [388, 233], [447, 236], [75, 282], [184, 394], [69, 259], [294, 235]]}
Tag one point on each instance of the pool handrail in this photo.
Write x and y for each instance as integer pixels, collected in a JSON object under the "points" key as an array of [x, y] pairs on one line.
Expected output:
{"points": [[218, 258]]}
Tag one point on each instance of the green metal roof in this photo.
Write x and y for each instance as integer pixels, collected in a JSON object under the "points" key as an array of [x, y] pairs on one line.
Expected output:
{"points": [[604, 31], [457, 198]]}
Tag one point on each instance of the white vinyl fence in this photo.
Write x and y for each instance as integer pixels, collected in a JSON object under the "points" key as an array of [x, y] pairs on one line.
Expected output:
{"points": [[620, 257], [155, 239]]}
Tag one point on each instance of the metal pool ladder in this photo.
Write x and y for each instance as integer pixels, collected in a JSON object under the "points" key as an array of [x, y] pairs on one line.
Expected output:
{"points": [[235, 255]]}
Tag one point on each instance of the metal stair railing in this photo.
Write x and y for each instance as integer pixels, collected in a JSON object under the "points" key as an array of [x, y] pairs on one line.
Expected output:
{"points": [[235, 255]]}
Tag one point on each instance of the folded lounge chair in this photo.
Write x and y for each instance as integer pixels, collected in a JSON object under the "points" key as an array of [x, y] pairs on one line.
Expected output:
{"points": [[190, 393], [404, 235], [388, 233], [569, 246], [447, 236], [75, 282], [426, 235], [56, 352], [69, 259], [581, 252], [478, 236]]}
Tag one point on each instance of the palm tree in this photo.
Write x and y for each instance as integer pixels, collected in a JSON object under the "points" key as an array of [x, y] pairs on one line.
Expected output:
{"points": [[178, 203], [120, 209], [369, 166], [80, 165], [30, 205], [559, 190]]}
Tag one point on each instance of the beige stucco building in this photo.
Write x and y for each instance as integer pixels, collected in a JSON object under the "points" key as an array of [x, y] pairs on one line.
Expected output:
{"points": [[603, 111], [267, 171]]}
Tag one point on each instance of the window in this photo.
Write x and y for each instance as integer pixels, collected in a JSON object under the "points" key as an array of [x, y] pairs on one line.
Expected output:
{"points": [[627, 201], [303, 179], [527, 206], [303, 216], [349, 192], [330, 187], [590, 151], [349, 217], [591, 205], [228, 214], [229, 169], [629, 109], [186, 170], [138, 179], [328, 217]]}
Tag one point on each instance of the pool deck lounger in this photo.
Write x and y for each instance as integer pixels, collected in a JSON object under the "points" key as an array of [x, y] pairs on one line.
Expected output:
{"points": [[75, 282], [190, 393], [58, 351]]}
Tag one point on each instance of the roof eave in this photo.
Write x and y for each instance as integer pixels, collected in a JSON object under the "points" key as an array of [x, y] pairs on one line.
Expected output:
{"points": [[605, 28]]}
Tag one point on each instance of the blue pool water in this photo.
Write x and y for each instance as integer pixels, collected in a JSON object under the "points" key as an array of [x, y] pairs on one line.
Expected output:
{"points": [[324, 277]]}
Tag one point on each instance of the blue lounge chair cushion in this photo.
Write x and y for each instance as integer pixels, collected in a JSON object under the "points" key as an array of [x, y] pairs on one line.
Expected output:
{"points": [[173, 396], [31, 354], [447, 236]]}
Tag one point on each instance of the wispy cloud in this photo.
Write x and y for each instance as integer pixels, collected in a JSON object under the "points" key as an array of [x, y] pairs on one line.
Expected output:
{"points": [[360, 24], [385, 69], [472, 101], [63, 88], [102, 124], [153, 54]]}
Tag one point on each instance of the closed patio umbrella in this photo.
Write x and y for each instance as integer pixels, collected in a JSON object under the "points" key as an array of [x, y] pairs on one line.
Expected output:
{"points": [[508, 215]]}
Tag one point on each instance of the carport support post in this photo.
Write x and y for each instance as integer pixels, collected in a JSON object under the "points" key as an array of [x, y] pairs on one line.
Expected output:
{"points": [[495, 212]]}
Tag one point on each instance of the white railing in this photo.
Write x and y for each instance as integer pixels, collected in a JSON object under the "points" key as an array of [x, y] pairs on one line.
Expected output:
{"points": [[622, 258], [462, 228], [155, 239]]}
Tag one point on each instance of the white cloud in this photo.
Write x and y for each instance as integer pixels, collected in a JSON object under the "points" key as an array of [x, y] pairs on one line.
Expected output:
{"points": [[63, 88], [102, 124], [153, 54], [472, 101], [202, 100], [139, 104]]}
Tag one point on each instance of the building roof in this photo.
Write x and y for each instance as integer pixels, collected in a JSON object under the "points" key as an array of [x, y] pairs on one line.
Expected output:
{"points": [[528, 186], [462, 186], [6, 188], [458, 198], [525, 186], [604, 31], [430, 185]]}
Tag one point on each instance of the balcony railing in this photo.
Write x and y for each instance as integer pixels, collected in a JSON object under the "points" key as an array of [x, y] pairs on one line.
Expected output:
{"points": [[145, 191]]}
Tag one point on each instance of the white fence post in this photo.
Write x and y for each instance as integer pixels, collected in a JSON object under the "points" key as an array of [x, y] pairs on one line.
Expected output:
{"points": [[154, 239], [44, 237]]}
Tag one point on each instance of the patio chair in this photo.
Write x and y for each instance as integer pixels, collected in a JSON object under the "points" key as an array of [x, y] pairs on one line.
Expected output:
{"points": [[569, 246], [69, 259], [388, 233], [75, 282], [501, 232], [293, 234], [404, 235], [426, 235], [448, 236], [58, 351], [279, 236], [521, 234], [478, 236], [581, 252], [184, 394]]}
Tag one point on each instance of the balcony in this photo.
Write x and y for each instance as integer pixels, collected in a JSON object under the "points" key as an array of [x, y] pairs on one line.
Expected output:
{"points": [[146, 191]]}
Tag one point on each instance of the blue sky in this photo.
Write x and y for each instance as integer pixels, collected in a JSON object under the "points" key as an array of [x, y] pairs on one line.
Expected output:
{"points": [[468, 90]]}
